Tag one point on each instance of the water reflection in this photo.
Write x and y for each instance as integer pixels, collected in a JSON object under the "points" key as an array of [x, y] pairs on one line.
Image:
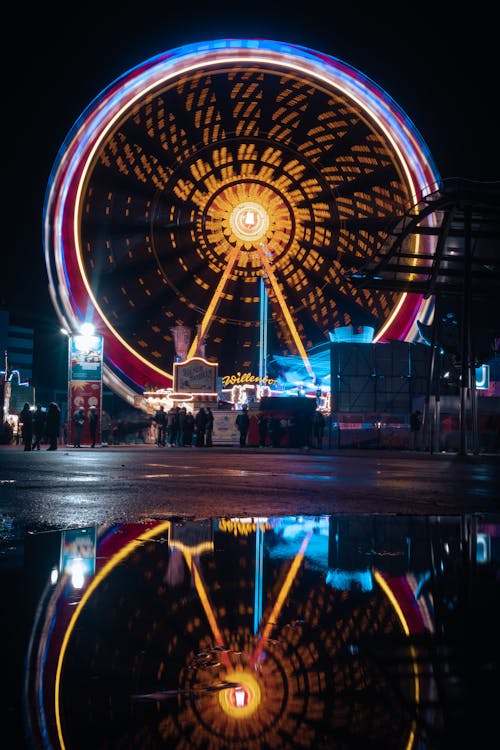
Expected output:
{"points": [[293, 632]]}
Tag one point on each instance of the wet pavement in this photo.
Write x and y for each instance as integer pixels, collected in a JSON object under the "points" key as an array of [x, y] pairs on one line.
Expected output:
{"points": [[77, 486], [249, 599]]}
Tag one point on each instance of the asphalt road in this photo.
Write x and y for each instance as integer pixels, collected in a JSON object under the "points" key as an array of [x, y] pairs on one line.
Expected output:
{"points": [[71, 487]]}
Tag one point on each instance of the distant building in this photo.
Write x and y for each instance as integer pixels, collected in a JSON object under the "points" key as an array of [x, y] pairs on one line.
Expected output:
{"points": [[18, 342], [16, 365]]}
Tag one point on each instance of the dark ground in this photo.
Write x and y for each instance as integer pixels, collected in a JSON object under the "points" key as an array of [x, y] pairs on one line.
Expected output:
{"points": [[84, 486]]}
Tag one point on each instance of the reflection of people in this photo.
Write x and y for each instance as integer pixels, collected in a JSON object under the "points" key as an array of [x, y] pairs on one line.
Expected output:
{"points": [[78, 422], [243, 423], [93, 420], [415, 424]]}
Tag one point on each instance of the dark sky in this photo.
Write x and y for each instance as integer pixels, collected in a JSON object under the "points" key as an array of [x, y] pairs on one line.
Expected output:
{"points": [[441, 71]]}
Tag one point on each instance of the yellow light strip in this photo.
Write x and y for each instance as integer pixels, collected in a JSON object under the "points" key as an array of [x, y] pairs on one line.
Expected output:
{"points": [[98, 578], [399, 612], [286, 313], [213, 304], [200, 588]]}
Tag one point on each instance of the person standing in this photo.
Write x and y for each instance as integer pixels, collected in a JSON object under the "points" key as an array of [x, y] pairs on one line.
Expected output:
{"points": [[415, 424], [79, 420], [209, 427], [275, 431], [38, 427], [105, 426], [53, 425], [172, 424], [161, 425], [93, 422], [318, 428], [242, 422], [181, 421], [263, 425], [26, 420], [189, 428], [200, 422]]}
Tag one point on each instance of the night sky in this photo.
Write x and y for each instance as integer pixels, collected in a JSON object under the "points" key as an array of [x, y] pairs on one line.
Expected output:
{"points": [[441, 72]]}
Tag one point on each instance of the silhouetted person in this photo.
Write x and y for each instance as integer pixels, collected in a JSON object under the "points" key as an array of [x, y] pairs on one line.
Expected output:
{"points": [[172, 426], [181, 421], [161, 426], [318, 428], [200, 422], [189, 429], [53, 425], [26, 419], [209, 426], [79, 420], [275, 431], [38, 427], [93, 421], [105, 426], [242, 422], [415, 424], [263, 425]]}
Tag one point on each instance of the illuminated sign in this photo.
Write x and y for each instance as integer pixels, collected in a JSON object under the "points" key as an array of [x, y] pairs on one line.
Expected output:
{"points": [[245, 378], [195, 376], [243, 527], [483, 377], [86, 354], [78, 551]]}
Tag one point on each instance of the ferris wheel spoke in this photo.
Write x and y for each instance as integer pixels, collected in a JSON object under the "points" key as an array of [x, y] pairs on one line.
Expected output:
{"points": [[286, 312], [214, 303]]}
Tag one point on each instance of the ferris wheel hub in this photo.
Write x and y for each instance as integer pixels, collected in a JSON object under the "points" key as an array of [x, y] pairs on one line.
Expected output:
{"points": [[249, 221]]}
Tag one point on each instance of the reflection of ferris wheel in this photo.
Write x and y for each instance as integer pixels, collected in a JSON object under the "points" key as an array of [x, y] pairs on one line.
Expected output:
{"points": [[228, 186]]}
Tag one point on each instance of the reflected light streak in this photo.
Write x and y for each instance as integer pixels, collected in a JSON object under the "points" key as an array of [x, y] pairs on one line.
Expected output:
{"points": [[212, 620], [399, 612], [99, 577], [273, 617], [286, 312]]}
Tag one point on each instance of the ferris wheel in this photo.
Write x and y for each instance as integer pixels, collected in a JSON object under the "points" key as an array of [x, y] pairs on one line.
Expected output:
{"points": [[230, 187]]}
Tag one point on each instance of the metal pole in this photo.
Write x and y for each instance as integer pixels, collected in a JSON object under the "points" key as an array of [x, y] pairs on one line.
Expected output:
{"points": [[465, 339], [427, 425], [263, 333], [473, 404], [437, 405]]}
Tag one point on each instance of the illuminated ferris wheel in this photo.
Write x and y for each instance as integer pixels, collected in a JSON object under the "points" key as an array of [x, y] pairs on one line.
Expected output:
{"points": [[230, 187]]}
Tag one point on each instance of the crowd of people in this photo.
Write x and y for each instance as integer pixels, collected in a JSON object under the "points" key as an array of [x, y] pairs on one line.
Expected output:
{"points": [[180, 427], [39, 426], [172, 427]]}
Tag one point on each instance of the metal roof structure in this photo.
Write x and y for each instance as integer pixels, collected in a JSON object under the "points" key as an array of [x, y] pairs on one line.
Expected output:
{"points": [[448, 243], [447, 247]]}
